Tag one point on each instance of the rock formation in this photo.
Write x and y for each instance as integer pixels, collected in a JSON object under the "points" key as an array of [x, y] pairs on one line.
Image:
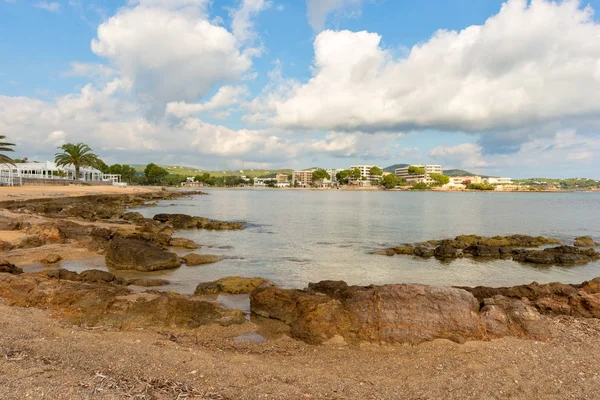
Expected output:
{"points": [[231, 285], [139, 254]]}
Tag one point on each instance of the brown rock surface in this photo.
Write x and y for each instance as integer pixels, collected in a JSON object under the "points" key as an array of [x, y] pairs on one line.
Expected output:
{"points": [[8, 268], [112, 305], [148, 282], [194, 259], [183, 221], [183, 243], [139, 254], [556, 255], [585, 241], [51, 259], [231, 285], [392, 313]]}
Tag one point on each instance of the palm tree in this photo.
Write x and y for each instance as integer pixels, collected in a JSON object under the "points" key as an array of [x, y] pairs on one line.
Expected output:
{"points": [[78, 155], [4, 146]]}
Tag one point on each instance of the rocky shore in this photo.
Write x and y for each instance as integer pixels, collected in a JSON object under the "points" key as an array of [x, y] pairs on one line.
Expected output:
{"points": [[344, 321], [513, 247]]}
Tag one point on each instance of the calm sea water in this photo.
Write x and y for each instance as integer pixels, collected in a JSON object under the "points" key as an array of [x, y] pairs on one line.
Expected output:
{"points": [[296, 237]]}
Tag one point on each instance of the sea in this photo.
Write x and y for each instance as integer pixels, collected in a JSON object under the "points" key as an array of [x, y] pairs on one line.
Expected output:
{"points": [[294, 237]]}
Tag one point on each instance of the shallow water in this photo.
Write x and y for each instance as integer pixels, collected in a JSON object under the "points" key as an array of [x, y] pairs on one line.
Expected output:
{"points": [[296, 237]]}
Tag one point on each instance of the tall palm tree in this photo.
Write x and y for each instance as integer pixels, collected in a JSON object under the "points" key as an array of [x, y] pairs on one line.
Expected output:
{"points": [[78, 155], [4, 146]]}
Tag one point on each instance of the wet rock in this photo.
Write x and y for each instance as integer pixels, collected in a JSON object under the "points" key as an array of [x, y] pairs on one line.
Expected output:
{"points": [[446, 252], [51, 259], [388, 252], [95, 275], [478, 250], [133, 217], [61, 274], [556, 255], [421, 251], [139, 254], [231, 285], [585, 241], [193, 259], [183, 243], [148, 282], [8, 268], [405, 250], [101, 304], [183, 221]]}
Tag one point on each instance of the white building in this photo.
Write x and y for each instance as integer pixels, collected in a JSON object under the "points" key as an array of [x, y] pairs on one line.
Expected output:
{"points": [[14, 174], [498, 181], [366, 179], [402, 173], [262, 182]]}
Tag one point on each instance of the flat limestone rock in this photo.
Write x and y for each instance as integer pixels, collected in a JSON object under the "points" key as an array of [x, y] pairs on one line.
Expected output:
{"points": [[193, 259], [231, 285], [138, 254]]}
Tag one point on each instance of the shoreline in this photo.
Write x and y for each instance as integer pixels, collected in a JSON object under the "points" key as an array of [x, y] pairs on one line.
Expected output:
{"points": [[451, 337]]}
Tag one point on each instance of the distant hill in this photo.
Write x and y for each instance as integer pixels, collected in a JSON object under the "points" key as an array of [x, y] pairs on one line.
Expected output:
{"points": [[458, 172], [192, 171], [392, 168]]}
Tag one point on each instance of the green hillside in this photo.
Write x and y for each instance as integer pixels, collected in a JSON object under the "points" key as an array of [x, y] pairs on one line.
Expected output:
{"points": [[191, 171], [458, 172], [392, 168]]}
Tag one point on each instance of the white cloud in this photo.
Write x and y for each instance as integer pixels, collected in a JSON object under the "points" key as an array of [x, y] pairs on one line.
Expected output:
{"points": [[226, 96], [170, 51], [565, 149], [319, 10], [241, 24], [356, 144], [48, 6], [466, 155], [531, 64], [91, 70]]}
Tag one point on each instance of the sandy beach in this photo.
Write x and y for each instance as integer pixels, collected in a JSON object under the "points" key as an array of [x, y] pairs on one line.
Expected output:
{"points": [[39, 192]]}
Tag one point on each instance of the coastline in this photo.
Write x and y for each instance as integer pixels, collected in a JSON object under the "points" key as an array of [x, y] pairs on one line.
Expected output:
{"points": [[92, 324]]}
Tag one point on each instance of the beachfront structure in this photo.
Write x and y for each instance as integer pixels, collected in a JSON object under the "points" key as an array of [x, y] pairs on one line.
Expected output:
{"points": [[281, 178], [304, 178], [263, 182], [366, 179], [498, 181], [18, 173], [402, 173], [464, 180]]}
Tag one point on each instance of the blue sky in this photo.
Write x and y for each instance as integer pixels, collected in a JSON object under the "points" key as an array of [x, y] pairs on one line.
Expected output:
{"points": [[503, 88]]}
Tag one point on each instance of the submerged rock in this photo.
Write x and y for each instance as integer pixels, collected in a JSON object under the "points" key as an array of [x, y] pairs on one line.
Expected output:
{"points": [[585, 241], [231, 285], [183, 243], [184, 221], [90, 275], [51, 259], [193, 259], [139, 254], [446, 251], [148, 282], [8, 268], [556, 255], [392, 313]]}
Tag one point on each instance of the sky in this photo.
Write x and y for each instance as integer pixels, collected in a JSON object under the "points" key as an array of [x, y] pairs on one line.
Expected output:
{"points": [[498, 88]]}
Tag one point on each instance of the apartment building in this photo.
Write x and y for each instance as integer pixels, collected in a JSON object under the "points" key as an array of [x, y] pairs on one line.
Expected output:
{"points": [[464, 180], [304, 178], [366, 179], [402, 173], [281, 178]]}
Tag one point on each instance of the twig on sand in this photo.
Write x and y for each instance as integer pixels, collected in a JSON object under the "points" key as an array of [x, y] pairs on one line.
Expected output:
{"points": [[148, 388]]}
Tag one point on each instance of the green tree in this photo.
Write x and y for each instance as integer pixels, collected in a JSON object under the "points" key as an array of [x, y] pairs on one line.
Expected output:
{"points": [[439, 179], [355, 173], [202, 178], [127, 173], [376, 171], [105, 169], [4, 147], [420, 186], [413, 170], [342, 177], [78, 155], [320, 175], [390, 181], [154, 173]]}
